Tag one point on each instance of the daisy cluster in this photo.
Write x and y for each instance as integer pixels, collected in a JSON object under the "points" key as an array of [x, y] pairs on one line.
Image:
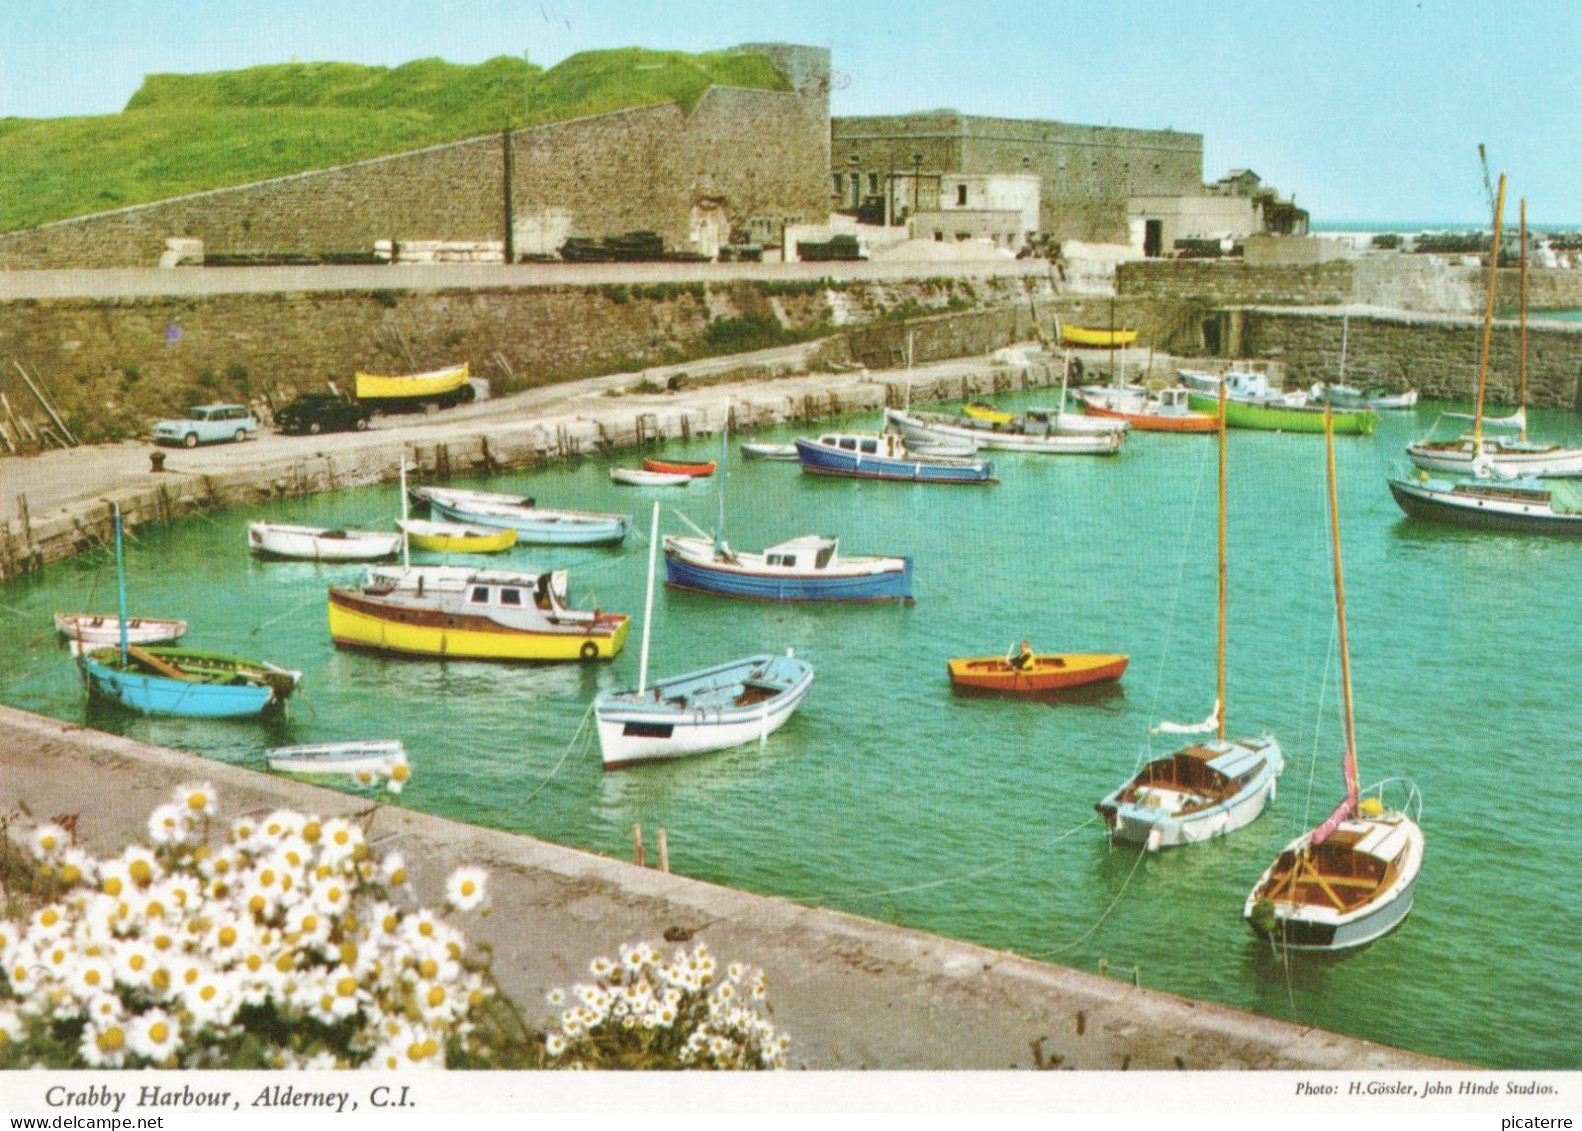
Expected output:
{"points": [[272, 942], [640, 1011]]}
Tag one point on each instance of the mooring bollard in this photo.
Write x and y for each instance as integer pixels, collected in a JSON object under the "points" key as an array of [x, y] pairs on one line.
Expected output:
{"points": [[156, 461]]}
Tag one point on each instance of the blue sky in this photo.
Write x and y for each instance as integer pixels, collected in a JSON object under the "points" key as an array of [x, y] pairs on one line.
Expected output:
{"points": [[1363, 110]]}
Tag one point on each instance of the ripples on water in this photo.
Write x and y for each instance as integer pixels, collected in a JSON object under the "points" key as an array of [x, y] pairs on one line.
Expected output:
{"points": [[891, 797]]}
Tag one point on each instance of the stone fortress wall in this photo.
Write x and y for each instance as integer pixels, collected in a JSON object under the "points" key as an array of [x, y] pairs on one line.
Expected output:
{"points": [[757, 155]]}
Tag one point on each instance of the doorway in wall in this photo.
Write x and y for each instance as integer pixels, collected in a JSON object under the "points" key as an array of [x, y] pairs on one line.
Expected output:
{"points": [[1153, 238]]}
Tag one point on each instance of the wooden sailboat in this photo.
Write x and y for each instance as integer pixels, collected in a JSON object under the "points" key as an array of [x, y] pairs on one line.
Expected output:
{"points": [[1499, 494], [1474, 453], [1350, 880], [182, 682], [1206, 789], [713, 709]]}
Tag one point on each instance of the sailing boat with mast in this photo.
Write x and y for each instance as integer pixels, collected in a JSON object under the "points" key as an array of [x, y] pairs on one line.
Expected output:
{"points": [[181, 682], [1350, 880], [1503, 458], [714, 709], [1206, 789], [1502, 495]]}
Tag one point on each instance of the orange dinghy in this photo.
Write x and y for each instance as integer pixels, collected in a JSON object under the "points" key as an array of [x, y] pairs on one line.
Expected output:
{"points": [[1044, 673], [665, 467]]}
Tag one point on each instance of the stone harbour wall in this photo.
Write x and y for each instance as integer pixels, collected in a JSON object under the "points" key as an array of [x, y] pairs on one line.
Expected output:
{"points": [[1438, 356]]}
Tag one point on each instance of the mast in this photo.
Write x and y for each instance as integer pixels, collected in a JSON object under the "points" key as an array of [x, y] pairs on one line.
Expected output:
{"points": [[120, 582], [648, 602], [1522, 404], [406, 539], [719, 491], [1488, 322], [1340, 615], [1224, 588], [1345, 326]]}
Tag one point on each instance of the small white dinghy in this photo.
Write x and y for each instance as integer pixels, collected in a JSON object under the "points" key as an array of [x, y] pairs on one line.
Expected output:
{"points": [[368, 760], [87, 631], [637, 477], [317, 544], [783, 452]]}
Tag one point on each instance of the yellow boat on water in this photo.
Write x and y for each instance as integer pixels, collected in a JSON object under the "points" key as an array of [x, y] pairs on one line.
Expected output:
{"points": [[1096, 339], [436, 383], [979, 411], [453, 612], [456, 537]]}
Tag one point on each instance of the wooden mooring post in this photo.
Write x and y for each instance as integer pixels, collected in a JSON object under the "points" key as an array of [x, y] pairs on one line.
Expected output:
{"points": [[664, 852], [637, 844]]}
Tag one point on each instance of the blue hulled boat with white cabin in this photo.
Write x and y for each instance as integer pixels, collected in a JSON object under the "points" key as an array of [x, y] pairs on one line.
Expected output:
{"points": [[885, 455], [808, 568]]}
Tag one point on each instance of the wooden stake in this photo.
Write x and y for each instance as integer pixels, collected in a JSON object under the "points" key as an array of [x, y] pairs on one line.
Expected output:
{"points": [[41, 399], [664, 852], [637, 844]]}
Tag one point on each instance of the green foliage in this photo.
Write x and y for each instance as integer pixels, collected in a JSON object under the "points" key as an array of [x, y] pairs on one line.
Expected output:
{"points": [[187, 133], [209, 379], [738, 335], [616, 293]]}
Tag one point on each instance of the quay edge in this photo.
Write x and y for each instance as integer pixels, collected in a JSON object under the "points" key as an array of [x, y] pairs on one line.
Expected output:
{"points": [[852, 993]]}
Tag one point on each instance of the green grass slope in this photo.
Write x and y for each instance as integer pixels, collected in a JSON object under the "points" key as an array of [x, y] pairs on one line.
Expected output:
{"points": [[187, 133]]}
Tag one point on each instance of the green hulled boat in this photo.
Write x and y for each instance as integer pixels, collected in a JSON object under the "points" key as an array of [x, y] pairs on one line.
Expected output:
{"points": [[1275, 414]]}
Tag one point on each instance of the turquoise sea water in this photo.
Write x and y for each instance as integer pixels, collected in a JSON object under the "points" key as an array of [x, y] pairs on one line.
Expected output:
{"points": [[891, 797]]}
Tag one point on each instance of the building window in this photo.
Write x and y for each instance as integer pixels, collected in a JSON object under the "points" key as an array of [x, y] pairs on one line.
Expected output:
{"points": [[838, 184], [1027, 161], [873, 183], [961, 196]]}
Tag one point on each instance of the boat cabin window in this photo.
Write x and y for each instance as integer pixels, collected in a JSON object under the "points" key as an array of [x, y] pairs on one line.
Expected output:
{"points": [[825, 553], [786, 560], [869, 447], [848, 443], [480, 595], [511, 597]]}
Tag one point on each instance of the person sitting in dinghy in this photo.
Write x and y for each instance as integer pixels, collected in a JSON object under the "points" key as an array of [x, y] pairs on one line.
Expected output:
{"points": [[1023, 659]]}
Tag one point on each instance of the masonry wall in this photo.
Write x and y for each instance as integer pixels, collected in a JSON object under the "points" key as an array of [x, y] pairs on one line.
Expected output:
{"points": [[1086, 172], [1436, 356], [1232, 282], [764, 153], [113, 366]]}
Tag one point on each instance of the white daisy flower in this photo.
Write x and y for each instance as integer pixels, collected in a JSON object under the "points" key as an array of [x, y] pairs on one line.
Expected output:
{"points": [[465, 889], [103, 1046], [154, 1035], [196, 798], [168, 824], [49, 840]]}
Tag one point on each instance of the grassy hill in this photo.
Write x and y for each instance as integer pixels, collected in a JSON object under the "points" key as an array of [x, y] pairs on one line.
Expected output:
{"points": [[187, 133]]}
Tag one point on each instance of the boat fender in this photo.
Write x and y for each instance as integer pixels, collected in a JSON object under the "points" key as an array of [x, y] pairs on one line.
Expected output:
{"points": [[590, 650]]}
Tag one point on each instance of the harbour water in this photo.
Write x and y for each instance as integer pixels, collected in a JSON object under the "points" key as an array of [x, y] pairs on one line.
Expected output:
{"points": [[892, 797]]}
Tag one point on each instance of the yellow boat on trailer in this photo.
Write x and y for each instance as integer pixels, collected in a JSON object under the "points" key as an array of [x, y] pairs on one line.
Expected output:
{"points": [[436, 384], [1084, 337]]}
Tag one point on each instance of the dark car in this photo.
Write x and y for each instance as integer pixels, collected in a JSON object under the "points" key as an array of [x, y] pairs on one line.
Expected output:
{"points": [[322, 412]]}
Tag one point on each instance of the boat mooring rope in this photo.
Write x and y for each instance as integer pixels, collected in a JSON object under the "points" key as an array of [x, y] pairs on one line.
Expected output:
{"points": [[576, 739]]}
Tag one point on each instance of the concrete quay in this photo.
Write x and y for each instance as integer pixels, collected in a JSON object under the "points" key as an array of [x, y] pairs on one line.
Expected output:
{"points": [[852, 993], [58, 503]]}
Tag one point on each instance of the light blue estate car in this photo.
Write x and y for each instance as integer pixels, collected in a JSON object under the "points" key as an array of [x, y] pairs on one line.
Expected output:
{"points": [[207, 424]]}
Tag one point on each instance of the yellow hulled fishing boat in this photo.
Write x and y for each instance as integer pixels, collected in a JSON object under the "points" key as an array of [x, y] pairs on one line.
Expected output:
{"points": [[453, 612]]}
